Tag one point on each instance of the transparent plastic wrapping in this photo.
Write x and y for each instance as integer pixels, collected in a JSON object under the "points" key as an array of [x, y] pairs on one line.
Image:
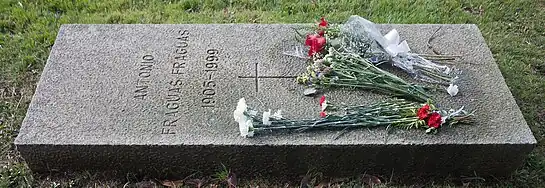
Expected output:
{"points": [[362, 37]]}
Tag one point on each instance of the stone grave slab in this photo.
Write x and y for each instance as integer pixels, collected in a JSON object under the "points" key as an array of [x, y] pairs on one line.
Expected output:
{"points": [[158, 100]]}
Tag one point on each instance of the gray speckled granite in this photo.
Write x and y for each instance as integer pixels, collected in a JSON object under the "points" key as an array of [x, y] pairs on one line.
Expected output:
{"points": [[87, 115]]}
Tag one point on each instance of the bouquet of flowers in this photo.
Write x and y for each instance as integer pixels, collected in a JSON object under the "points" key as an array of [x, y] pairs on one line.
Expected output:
{"points": [[396, 113], [390, 48], [358, 41], [349, 55], [340, 69]]}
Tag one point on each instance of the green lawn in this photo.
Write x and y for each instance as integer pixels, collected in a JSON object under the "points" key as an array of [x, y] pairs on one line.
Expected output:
{"points": [[513, 29]]}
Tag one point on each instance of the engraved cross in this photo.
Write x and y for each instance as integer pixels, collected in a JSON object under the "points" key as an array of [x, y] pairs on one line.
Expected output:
{"points": [[256, 77]]}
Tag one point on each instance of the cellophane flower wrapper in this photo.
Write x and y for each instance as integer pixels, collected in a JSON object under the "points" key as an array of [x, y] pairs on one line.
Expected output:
{"points": [[297, 51], [362, 37]]}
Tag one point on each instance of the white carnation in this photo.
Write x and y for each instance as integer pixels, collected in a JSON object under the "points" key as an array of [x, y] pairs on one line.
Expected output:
{"points": [[277, 115], [238, 114], [245, 125], [243, 128], [246, 128], [266, 117]]}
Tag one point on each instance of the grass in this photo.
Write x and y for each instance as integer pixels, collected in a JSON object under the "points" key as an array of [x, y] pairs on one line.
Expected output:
{"points": [[513, 29]]}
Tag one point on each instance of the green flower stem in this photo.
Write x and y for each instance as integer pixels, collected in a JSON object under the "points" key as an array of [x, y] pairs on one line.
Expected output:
{"points": [[434, 74], [420, 96], [316, 125], [352, 122], [350, 70], [394, 113]]}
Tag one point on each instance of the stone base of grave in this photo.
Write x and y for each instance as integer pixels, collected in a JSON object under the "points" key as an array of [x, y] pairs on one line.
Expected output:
{"points": [[284, 161], [158, 100]]}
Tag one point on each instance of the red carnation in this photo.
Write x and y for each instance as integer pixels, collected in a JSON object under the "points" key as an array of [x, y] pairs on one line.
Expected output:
{"points": [[310, 39], [320, 42], [321, 32], [323, 114], [323, 22], [423, 112], [322, 100], [434, 120], [316, 43], [312, 51]]}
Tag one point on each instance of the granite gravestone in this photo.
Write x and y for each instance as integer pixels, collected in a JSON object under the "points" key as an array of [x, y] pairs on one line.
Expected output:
{"points": [[158, 100]]}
